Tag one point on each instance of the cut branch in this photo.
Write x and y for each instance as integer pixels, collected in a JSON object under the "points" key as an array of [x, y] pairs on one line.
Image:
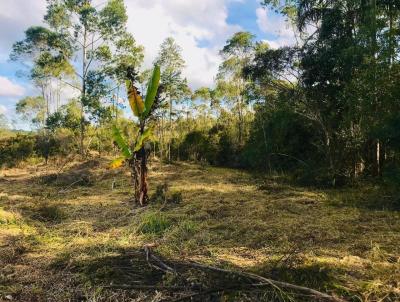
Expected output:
{"points": [[257, 279]]}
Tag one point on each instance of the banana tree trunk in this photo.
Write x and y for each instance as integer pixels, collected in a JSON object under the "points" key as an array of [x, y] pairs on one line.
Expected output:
{"points": [[138, 165], [143, 197]]}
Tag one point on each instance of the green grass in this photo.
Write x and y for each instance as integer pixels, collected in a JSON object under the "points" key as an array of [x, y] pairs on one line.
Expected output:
{"points": [[58, 243], [8, 218], [154, 223]]}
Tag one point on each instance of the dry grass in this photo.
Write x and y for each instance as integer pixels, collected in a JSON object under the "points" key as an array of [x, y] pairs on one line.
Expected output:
{"points": [[62, 243]]}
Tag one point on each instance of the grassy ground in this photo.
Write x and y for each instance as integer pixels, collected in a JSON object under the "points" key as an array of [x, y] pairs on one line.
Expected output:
{"points": [[68, 238]]}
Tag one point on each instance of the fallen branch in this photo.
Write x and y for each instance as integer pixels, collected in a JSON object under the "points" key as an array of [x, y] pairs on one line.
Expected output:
{"points": [[160, 264], [278, 285], [274, 283], [145, 287], [248, 288], [65, 190]]}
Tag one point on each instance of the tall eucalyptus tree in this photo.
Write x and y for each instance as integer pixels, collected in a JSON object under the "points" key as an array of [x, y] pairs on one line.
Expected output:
{"points": [[172, 64], [83, 44], [231, 81]]}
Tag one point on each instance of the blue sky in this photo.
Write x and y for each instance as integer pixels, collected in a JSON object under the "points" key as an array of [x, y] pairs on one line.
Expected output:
{"points": [[200, 27]]}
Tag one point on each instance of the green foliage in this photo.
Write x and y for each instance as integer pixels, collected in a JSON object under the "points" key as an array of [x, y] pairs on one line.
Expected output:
{"points": [[97, 36], [46, 146], [217, 147], [143, 138], [152, 90], [171, 65], [280, 140], [342, 83], [67, 117], [32, 109], [22, 147], [195, 146], [121, 142], [16, 149], [154, 223], [240, 43], [141, 110], [325, 110]]}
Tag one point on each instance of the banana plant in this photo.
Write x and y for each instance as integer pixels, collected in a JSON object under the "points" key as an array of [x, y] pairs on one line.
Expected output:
{"points": [[135, 153]]}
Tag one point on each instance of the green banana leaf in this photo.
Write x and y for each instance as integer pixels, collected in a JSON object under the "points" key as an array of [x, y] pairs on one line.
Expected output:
{"points": [[152, 89], [146, 136], [122, 144]]}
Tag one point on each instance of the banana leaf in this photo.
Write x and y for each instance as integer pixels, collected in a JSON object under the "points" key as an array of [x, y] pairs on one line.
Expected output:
{"points": [[122, 144], [146, 136], [118, 162], [135, 100], [152, 90]]}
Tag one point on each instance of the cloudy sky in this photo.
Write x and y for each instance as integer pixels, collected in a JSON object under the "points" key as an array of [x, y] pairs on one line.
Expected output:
{"points": [[200, 28]]}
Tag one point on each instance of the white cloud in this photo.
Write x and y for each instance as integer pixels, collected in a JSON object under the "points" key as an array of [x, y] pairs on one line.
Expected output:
{"points": [[10, 89], [275, 25], [15, 17], [189, 22]]}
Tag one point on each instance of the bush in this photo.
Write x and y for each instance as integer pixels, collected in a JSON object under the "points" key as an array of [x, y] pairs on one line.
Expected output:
{"points": [[46, 146], [215, 147], [22, 147], [194, 146], [160, 195], [16, 149], [281, 140]]}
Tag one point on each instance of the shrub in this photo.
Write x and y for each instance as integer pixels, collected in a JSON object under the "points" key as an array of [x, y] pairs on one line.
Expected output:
{"points": [[215, 147], [160, 195], [16, 149], [22, 147]]}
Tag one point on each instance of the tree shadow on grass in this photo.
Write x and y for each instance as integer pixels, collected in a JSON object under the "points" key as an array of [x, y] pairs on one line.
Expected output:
{"points": [[133, 270], [372, 198], [120, 267]]}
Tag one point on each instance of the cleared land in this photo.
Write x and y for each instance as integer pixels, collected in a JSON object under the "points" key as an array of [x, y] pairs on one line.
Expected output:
{"points": [[66, 235]]}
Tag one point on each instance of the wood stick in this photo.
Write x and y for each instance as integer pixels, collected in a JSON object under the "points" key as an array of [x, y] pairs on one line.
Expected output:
{"points": [[274, 283], [164, 267], [264, 281], [145, 287]]}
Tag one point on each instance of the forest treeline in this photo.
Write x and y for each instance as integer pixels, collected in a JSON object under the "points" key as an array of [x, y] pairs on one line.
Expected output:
{"points": [[325, 110]]}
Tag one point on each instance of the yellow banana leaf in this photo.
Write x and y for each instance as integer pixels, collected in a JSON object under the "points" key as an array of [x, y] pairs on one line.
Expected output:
{"points": [[135, 100], [117, 163]]}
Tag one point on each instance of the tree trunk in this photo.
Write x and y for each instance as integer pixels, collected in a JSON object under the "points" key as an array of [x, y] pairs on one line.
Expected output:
{"points": [[83, 96], [143, 197], [138, 165], [162, 137], [240, 124], [170, 130]]}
